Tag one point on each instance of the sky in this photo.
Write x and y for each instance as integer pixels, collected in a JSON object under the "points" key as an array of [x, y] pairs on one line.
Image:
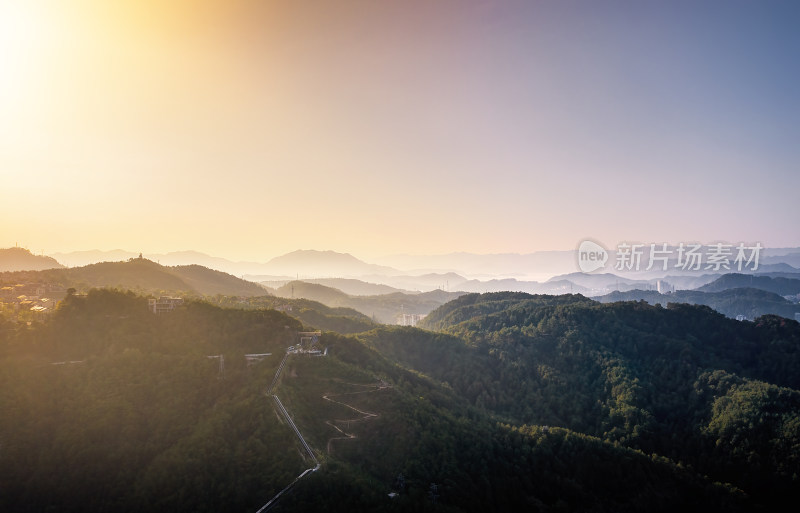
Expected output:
{"points": [[250, 128]]}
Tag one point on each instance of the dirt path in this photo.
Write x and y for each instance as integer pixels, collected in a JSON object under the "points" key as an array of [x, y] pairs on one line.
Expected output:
{"points": [[364, 415]]}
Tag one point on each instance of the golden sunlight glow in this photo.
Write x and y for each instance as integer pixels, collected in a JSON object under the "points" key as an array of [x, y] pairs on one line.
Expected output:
{"points": [[26, 33], [417, 118]]}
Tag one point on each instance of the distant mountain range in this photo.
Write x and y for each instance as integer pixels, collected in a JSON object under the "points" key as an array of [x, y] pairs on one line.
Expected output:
{"points": [[324, 264], [384, 308], [536, 272], [307, 263], [349, 286], [385, 293], [541, 265], [538, 265]]}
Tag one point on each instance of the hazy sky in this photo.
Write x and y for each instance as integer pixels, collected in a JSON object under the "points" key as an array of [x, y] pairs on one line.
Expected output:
{"points": [[247, 129]]}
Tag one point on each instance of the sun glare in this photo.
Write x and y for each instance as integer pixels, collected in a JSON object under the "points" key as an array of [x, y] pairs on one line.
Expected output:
{"points": [[27, 32]]}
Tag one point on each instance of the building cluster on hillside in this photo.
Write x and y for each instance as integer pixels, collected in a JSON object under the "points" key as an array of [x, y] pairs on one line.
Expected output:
{"points": [[164, 304], [409, 319], [30, 301], [794, 298]]}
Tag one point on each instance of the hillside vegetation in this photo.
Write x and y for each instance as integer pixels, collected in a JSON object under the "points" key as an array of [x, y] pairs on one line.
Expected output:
{"points": [[682, 381], [518, 402]]}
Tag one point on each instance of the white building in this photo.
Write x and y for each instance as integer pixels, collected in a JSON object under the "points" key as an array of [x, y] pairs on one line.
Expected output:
{"points": [[164, 304], [409, 319], [664, 287]]}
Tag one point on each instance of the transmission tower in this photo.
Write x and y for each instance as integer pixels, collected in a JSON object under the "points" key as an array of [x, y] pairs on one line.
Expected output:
{"points": [[221, 358]]}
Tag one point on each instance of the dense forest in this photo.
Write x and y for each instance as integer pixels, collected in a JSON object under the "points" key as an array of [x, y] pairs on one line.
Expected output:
{"points": [[514, 402], [683, 381]]}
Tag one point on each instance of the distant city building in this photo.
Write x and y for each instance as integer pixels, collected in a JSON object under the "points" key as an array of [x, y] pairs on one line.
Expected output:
{"points": [[409, 319], [741, 317], [164, 304], [664, 287]]}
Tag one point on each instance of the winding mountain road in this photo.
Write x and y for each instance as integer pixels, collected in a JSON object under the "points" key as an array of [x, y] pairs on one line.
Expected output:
{"points": [[365, 415]]}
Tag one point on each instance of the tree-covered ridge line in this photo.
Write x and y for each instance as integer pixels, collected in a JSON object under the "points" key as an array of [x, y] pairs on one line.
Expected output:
{"points": [[747, 302], [148, 278], [782, 285], [312, 313], [140, 275]]}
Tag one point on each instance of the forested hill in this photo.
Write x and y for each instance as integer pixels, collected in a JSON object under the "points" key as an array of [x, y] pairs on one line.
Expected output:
{"points": [[684, 381], [749, 302], [776, 284], [108, 407], [21, 259], [471, 306], [143, 276]]}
